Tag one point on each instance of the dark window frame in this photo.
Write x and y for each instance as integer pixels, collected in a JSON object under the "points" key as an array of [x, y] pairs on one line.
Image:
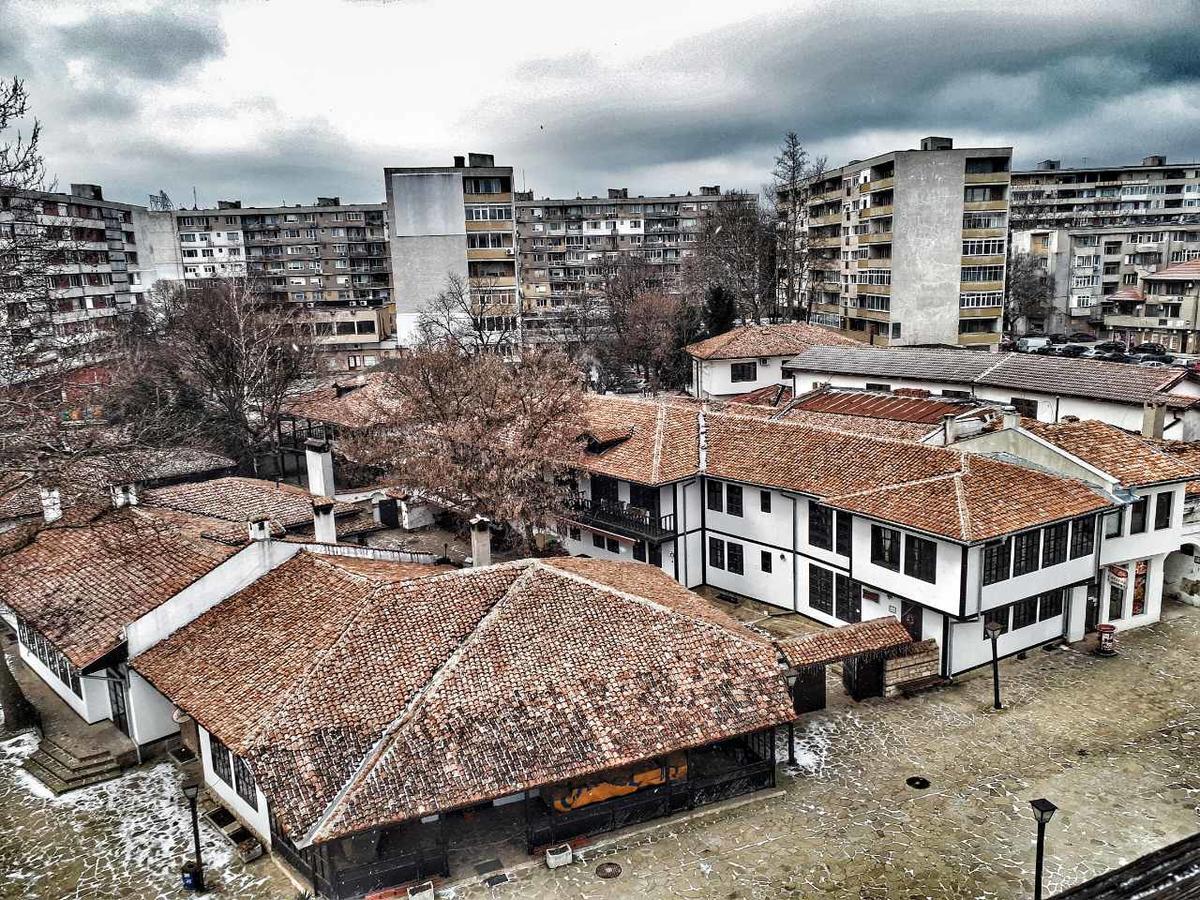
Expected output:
{"points": [[1024, 613], [920, 558], [843, 535], [1050, 604], [820, 589], [1083, 537], [1139, 515], [1115, 517], [735, 558], [714, 492], [220, 759], [764, 501], [740, 372], [1167, 499], [733, 500], [716, 552], [1054, 544], [997, 561], [820, 525], [1027, 552], [766, 561], [885, 553], [244, 782]]}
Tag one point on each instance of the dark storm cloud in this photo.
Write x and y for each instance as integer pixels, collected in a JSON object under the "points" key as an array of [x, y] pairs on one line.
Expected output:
{"points": [[151, 45], [841, 74]]}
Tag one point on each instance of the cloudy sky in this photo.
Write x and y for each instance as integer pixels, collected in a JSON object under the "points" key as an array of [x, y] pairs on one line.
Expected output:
{"points": [[279, 102]]}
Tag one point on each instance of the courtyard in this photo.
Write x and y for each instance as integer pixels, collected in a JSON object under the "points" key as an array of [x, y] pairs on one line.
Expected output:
{"points": [[1115, 743]]}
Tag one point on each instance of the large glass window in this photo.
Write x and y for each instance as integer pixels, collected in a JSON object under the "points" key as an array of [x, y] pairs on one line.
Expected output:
{"points": [[1163, 505], [744, 371], [1116, 602], [843, 535], [820, 589], [733, 499], [1054, 544], [997, 561], [920, 559], [716, 553], [1050, 605], [820, 525], [1024, 612], [244, 782], [885, 547], [1114, 523], [1137, 515], [1083, 537], [1025, 552], [716, 492], [1000, 616], [734, 558], [222, 760]]}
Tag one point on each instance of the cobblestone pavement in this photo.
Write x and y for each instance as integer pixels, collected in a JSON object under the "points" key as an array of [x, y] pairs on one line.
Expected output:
{"points": [[121, 839], [1114, 742]]}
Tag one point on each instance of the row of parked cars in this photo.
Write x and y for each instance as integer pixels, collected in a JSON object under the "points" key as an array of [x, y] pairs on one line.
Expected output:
{"points": [[1085, 346]]}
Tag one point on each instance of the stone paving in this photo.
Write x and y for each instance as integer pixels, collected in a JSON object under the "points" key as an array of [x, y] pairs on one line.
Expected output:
{"points": [[1114, 742]]}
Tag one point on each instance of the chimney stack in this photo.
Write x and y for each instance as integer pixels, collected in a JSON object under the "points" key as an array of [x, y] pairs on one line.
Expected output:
{"points": [[124, 495], [51, 504], [481, 542], [950, 428], [1154, 420], [318, 459], [324, 527], [260, 528], [1009, 418]]}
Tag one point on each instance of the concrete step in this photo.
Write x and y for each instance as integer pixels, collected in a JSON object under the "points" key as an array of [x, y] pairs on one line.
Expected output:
{"points": [[73, 772], [58, 785], [68, 756], [61, 770]]}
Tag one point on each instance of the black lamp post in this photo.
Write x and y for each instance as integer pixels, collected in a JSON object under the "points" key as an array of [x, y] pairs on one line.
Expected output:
{"points": [[791, 683], [1043, 811], [191, 790], [992, 630]]}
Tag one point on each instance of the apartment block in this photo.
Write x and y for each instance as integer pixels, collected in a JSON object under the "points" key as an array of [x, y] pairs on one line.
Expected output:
{"points": [[451, 220], [880, 236], [330, 259], [568, 247], [1162, 308], [71, 267], [1098, 230]]}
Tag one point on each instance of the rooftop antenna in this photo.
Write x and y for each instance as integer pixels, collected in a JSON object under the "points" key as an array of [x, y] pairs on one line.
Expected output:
{"points": [[195, 202], [161, 202]]}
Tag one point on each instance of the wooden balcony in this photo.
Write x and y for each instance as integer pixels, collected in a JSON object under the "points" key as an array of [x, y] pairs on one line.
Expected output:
{"points": [[623, 519]]}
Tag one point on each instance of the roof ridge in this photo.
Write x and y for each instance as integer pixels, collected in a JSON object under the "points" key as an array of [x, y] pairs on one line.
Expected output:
{"points": [[894, 486], [659, 427], [988, 371], [960, 499], [380, 747]]}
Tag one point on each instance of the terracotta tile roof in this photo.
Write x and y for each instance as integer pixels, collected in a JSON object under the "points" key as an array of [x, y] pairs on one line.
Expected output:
{"points": [[834, 644], [851, 424], [1184, 271], [351, 403], [1094, 379], [771, 395], [931, 489], [1186, 452], [662, 444], [1126, 293], [238, 500], [1130, 459], [877, 405], [747, 341], [375, 703], [81, 583]]}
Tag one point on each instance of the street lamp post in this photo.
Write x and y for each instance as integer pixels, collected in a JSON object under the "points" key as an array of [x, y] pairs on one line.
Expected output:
{"points": [[1043, 811], [992, 630], [191, 790]]}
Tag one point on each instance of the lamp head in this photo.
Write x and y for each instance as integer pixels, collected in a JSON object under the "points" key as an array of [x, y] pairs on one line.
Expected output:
{"points": [[191, 789], [1043, 809], [992, 629]]}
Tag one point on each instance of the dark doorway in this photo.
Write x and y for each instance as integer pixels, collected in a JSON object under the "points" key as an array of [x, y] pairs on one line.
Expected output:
{"points": [[1092, 617], [847, 599], [910, 618], [116, 698], [808, 693], [604, 489], [863, 676], [642, 497]]}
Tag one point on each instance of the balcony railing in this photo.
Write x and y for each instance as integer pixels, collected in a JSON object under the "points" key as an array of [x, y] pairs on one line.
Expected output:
{"points": [[623, 519]]}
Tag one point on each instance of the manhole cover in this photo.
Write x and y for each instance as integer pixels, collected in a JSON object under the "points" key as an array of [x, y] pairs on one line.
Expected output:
{"points": [[916, 781], [608, 870]]}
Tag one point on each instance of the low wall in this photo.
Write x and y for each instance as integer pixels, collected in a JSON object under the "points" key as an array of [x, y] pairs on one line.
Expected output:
{"points": [[917, 661]]}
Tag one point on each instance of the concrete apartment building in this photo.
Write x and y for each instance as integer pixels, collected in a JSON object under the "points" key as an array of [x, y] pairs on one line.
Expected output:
{"points": [[1163, 308], [883, 238], [1098, 230], [330, 259], [88, 249], [451, 220], [568, 247]]}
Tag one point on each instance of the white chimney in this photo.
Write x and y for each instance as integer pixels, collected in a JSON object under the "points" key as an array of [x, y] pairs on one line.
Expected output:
{"points": [[950, 428], [1154, 420], [319, 460], [124, 495], [51, 504], [481, 542], [702, 428], [324, 527], [260, 529], [1009, 417]]}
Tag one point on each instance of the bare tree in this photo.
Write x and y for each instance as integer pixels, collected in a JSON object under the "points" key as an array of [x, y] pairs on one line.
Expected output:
{"points": [[735, 248], [794, 171], [470, 314], [1028, 292], [482, 434]]}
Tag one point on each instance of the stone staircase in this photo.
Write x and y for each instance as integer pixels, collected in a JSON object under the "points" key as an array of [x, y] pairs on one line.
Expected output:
{"points": [[61, 770]]}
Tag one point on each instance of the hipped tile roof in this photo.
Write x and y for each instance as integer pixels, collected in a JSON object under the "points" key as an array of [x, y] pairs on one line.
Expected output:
{"points": [[749, 341], [834, 644], [83, 580], [238, 500], [360, 702], [1130, 459], [662, 442], [1184, 271], [357, 403]]}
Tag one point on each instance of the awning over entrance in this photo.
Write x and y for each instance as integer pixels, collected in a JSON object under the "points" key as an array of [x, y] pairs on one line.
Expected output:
{"points": [[836, 644]]}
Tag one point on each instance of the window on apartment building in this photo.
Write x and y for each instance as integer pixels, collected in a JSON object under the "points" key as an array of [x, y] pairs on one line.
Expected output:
{"points": [[716, 553], [999, 616], [1050, 604], [733, 499], [1025, 552], [895, 331], [764, 501], [885, 547], [820, 589], [1137, 515], [1054, 544], [765, 560], [222, 760], [920, 559], [980, 299], [1024, 612], [982, 273], [715, 491], [1163, 505], [745, 371], [1112, 248], [997, 561], [244, 782], [1083, 537], [734, 558], [983, 220], [820, 525], [983, 247]]}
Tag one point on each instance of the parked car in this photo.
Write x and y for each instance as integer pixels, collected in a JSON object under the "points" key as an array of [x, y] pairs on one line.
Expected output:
{"points": [[1048, 350], [1120, 358], [1157, 349], [1165, 358], [1029, 344], [1082, 337], [1153, 364], [1058, 338], [1007, 344], [1072, 351], [1095, 353], [1111, 346]]}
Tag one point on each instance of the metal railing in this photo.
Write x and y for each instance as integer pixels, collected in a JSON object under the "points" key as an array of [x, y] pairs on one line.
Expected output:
{"points": [[622, 517]]}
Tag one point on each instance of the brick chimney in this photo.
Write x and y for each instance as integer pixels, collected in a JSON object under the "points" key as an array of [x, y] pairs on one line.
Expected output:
{"points": [[481, 542]]}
